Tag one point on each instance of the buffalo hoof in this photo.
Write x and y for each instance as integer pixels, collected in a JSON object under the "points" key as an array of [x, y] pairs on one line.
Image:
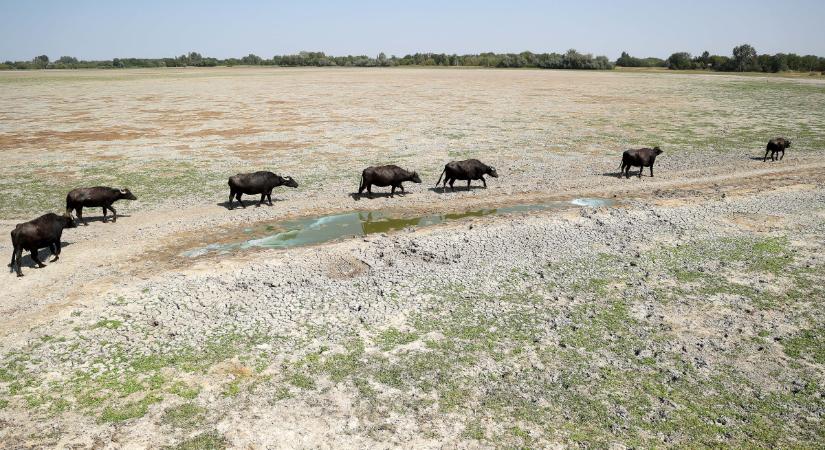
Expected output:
{"points": [[19, 275], [54, 259], [40, 266]]}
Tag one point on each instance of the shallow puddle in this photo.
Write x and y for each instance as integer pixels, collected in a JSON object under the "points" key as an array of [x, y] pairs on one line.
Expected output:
{"points": [[321, 229]]}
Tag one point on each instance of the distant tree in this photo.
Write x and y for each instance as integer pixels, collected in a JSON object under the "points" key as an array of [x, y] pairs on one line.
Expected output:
{"points": [[626, 60], [251, 59], [382, 60], [718, 62], [41, 61], [703, 62], [744, 57], [194, 59], [680, 61]]}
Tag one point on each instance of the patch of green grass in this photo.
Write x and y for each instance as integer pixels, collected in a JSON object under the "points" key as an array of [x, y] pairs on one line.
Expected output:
{"points": [[128, 411], [808, 344], [211, 440], [301, 381], [392, 337], [183, 390], [341, 366], [187, 415], [282, 393], [232, 389], [474, 430], [108, 324]]}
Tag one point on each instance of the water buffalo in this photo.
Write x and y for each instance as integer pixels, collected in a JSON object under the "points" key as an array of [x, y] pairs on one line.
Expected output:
{"points": [[98, 196], [45, 231], [776, 145], [261, 182], [469, 169], [641, 158], [384, 176]]}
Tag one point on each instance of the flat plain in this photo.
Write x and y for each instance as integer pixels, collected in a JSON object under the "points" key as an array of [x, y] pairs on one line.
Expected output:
{"points": [[689, 313]]}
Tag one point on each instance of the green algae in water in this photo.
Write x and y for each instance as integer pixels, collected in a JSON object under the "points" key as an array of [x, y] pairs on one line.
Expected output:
{"points": [[318, 230]]}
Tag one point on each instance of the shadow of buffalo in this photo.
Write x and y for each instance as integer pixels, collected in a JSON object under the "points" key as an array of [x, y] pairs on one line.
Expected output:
{"points": [[44, 254], [447, 190], [250, 203], [356, 196], [633, 173], [88, 219]]}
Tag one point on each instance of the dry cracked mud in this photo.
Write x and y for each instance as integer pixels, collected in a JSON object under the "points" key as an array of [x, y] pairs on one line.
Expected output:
{"points": [[687, 314]]}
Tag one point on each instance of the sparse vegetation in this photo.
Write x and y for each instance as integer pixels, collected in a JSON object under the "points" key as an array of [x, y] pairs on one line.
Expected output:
{"points": [[688, 316], [187, 415]]}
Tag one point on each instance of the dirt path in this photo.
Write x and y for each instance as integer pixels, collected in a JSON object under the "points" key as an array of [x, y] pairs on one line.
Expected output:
{"points": [[104, 255]]}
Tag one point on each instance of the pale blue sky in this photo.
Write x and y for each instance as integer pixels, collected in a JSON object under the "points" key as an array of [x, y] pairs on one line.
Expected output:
{"points": [[91, 29]]}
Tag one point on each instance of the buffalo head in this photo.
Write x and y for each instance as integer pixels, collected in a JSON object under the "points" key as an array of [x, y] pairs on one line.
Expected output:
{"points": [[126, 194], [658, 150], [492, 172], [288, 181], [68, 221], [415, 178]]}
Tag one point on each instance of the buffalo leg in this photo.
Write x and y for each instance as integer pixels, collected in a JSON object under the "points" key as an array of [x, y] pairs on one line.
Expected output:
{"points": [[261, 201], [369, 190], [79, 212], [392, 191], [36, 258], [484, 181], [651, 170], [114, 213], [269, 197], [402, 188], [240, 194], [104, 215], [17, 256], [766, 156], [782, 155], [468, 184], [641, 169], [231, 196], [452, 180], [55, 248]]}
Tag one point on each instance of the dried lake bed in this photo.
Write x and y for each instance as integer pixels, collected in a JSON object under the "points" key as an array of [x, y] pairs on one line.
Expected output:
{"points": [[688, 313]]}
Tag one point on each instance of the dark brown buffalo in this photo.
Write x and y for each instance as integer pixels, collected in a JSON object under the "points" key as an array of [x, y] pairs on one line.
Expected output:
{"points": [[45, 231], [469, 169], [776, 145], [98, 196], [641, 158], [260, 182], [384, 176]]}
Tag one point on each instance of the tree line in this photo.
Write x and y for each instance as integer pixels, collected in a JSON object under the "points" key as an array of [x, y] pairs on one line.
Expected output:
{"points": [[569, 60], [744, 58]]}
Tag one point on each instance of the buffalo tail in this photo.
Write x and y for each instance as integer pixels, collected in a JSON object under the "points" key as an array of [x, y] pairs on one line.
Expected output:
{"points": [[439, 177]]}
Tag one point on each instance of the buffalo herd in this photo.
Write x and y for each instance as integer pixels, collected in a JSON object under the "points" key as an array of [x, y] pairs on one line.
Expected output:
{"points": [[46, 231]]}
